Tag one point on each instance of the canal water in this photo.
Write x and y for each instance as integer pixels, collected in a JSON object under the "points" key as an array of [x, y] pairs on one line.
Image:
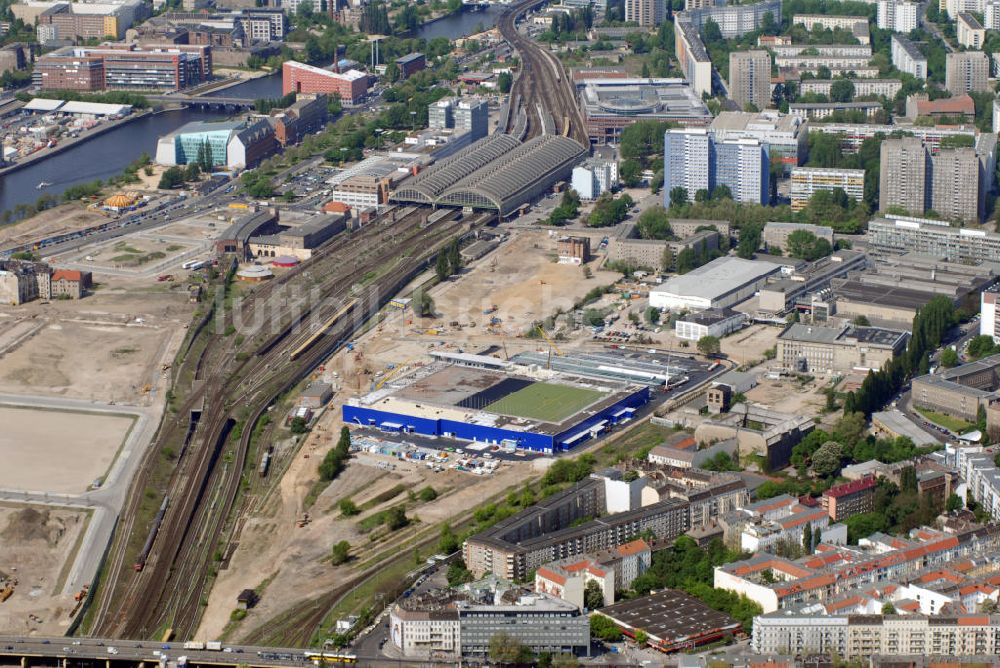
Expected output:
{"points": [[108, 154]]}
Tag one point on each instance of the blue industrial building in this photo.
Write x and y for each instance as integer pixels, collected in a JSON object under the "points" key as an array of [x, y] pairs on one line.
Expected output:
{"points": [[538, 440]]}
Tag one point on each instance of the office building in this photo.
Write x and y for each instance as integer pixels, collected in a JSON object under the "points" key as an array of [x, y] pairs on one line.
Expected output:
{"points": [[750, 78], [906, 57], [989, 314], [903, 175], [646, 13], [231, 144], [350, 86], [692, 56], [695, 160], [966, 71], [807, 181], [897, 15], [971, 33], [713, 322], [123, 67], [837, 349], [786, 136], [83, 20]]}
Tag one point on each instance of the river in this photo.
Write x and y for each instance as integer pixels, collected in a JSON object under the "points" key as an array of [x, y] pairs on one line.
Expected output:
{"points": [[108, 154], [98, 158]]}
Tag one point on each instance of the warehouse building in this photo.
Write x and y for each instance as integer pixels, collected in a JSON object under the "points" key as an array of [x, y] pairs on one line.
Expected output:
{"points": [[610, 105], [713, 322], [721, 283], [496, 173], [960, 391], [783, 294], [301, 240], [498, 407]]}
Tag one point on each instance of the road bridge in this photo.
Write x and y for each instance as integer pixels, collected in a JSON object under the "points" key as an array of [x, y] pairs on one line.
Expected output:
{"points": [[221, 101]]}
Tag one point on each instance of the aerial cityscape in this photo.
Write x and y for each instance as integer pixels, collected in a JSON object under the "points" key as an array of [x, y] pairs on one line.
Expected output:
{"points": [[499, 333]]}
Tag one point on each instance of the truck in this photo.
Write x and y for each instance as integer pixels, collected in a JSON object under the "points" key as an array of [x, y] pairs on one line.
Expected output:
{"points": [[194, 645], [213, 646]]}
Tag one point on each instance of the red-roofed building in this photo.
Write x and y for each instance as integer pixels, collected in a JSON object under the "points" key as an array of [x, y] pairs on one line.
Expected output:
{"points": [[69, 284], [960, 107], [851, 498]]}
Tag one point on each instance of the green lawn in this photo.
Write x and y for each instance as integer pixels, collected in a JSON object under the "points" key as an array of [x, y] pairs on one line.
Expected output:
{"points": [[545, 401], [948, 422]]}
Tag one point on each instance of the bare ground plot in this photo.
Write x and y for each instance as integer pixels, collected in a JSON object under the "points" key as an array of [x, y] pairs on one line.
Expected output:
{"points": [[135, 252], [748, 345], [63, 218], [519, 277], [102, 362], [790, 394], [36, 547], [57, 451]]}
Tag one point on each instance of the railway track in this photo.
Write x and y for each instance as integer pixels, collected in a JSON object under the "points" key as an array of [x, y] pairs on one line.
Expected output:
{"points": [[240, 383], [542, 83]]}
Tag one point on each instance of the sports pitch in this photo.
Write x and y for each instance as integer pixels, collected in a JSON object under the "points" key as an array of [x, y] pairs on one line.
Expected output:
{"points": [[546, 402]]}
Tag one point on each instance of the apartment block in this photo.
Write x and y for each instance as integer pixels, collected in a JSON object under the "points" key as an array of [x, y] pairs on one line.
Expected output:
{"points": [[734, 20], [810, 21], [695, 160], [807, 181], [903, 175], [989, 313], [991, 16], [750, 78], [897, 16], [646, 13], [692, 56], [966, 71], [786, 136], [906, 57], [971, 33], [955, 185], [850, 498], [862, 87]]}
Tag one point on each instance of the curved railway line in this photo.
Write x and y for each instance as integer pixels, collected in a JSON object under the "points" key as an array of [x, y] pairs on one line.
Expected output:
{"points": [[237, 384], [542, 83]]}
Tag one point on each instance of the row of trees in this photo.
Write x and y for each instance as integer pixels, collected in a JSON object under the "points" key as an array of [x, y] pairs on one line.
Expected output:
{"points": [[609, 210], [929, 327], [449, 261], [336, 459]]}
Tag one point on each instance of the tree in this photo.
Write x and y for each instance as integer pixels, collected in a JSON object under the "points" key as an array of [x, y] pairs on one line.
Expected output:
{"points": [[604, 629], [654, 224], [711, 33], [861, 321], [686, 261], [826, 461], [565, 661], [949, 358], [888, 608], [750, 237], [708, 345], [504, 81], [804, 244], [630, 172], [340, 553], [448, 543], [807, 538], [841, 90], [348, 508], [954, 503], [171, 178], [455, 256], [593, 597], [395, 518], [422, 304], [981, 346], [298, 425], [441, 268], [678, 196], [641, 637], [504, 649], [427, 494]]}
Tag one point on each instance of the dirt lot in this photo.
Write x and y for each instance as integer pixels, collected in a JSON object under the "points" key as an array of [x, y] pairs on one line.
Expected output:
{"points": [[56, 451], [62, 218], [104, 362], [748, 345], [791, 394], [36, 544]]}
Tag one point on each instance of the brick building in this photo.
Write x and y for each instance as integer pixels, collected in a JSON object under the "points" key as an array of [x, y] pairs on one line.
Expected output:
{"points": [[308, 114], [349, 86], [850, 498], [410, 64]]}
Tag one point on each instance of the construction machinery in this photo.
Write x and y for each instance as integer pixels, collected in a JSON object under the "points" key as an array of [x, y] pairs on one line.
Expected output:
{"points": [[552, 346]]}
